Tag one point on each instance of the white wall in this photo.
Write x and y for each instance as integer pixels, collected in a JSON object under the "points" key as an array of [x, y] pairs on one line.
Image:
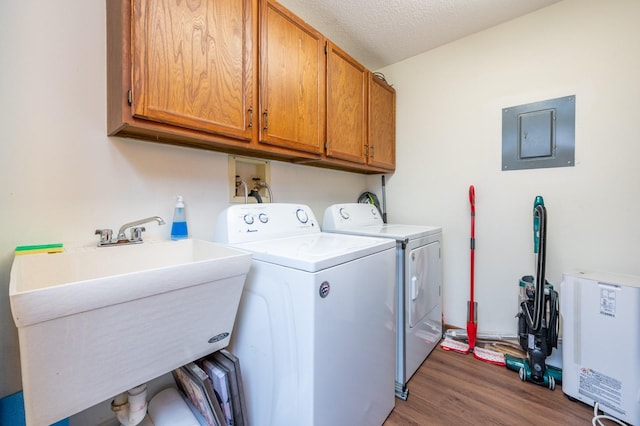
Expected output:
{"points": [[449, 106], [61, 177]]}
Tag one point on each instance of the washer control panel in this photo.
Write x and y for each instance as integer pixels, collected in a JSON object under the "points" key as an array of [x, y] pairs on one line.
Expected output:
{"points": [[256, 222]]}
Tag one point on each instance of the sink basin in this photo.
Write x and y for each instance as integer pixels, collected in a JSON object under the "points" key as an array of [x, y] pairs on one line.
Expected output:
{"points": [[94, 322]]}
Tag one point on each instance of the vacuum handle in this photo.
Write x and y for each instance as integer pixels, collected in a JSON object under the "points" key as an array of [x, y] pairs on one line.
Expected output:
{"points": [[539, 201]]}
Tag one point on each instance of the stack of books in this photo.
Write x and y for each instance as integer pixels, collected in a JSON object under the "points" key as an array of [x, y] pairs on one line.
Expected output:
{"points": [[212, 387]]}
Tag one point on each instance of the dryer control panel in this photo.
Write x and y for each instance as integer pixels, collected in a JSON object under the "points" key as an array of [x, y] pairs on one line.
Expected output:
{"points": [[349, 215]]}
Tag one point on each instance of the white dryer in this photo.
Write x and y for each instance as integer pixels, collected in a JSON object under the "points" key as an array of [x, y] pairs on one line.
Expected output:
{"points": [[418, 280], [316, 322]]}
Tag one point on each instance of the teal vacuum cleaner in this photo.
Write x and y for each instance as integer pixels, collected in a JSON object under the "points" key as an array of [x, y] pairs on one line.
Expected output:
{"points": [[538, 324]]}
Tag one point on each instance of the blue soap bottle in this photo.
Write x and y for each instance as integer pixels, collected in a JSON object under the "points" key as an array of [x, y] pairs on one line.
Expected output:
{"points": [[179, 227]]}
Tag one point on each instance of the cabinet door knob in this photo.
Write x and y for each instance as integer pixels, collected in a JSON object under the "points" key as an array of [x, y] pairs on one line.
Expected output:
{"points": [[265, 116], [250, 118]]}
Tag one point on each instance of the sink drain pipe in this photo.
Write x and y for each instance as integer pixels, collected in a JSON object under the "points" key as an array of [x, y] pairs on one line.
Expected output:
{"points": [[130, 407]]}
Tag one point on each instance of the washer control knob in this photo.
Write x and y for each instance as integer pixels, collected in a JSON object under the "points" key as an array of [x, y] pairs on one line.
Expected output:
{"points": [[302, 216], [344, 213], [262, 217], [248, 219]]}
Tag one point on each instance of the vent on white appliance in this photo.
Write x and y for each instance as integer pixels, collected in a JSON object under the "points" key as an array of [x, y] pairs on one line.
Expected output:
{"points": [[601, 341]]}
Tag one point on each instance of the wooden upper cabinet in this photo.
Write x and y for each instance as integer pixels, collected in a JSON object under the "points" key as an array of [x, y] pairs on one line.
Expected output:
{"points": [[192, 64], [246, 77], [347, 83], [292, 81], [382, 124]]}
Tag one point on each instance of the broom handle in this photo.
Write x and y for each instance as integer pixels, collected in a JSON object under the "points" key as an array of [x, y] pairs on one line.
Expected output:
{"points": [[472, 201]]}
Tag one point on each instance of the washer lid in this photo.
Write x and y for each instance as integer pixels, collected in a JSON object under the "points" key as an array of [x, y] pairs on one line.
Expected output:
{"points": [[363, 219], [315, 252], [395, 231]]}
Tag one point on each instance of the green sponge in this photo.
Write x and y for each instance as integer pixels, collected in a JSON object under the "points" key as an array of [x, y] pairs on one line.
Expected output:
{"points": [[42, 248]]}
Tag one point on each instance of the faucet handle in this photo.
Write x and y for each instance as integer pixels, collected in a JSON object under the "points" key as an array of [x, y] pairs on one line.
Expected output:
{"points": [[105, 235], [136, 234]]}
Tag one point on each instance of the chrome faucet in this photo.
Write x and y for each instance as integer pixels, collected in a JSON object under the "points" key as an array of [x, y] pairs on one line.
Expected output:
{"points": [[136, 232]]}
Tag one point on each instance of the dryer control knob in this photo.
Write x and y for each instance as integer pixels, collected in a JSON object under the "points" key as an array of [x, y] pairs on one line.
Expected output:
{"points": [[344, 213], [248, 219], [263, 217], [302, 216]]}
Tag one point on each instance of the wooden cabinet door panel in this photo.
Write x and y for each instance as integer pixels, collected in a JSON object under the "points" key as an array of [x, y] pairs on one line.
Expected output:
{"points": [[192, 64], [292, 81], [346, 106], [382, 124]]}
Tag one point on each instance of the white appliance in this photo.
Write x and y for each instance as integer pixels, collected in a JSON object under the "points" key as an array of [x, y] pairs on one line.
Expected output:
{"points": [[601, 341], [315, 327], [418, 281]]}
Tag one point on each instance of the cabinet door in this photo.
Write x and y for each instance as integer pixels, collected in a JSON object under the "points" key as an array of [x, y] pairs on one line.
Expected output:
{"points": [[346, 106], [292, 80], [382, 124], [192, 64]]}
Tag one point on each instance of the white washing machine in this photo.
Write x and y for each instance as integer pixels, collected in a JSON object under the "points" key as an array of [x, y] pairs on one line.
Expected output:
{"points": [[418, 280], [316, 322]]}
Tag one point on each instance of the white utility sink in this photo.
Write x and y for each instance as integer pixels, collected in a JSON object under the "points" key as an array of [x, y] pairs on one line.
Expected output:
{"points": [[96, 321]]}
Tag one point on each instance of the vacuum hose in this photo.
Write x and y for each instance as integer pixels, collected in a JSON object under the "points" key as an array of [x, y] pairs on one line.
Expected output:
{"points": [[535, 323]]}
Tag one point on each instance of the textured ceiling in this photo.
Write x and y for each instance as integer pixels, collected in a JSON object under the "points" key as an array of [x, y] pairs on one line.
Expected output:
{"points": [[382, 32]]}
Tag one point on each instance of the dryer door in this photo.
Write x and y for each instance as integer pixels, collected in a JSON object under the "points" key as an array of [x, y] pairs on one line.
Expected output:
{"points": [[423, 281]]}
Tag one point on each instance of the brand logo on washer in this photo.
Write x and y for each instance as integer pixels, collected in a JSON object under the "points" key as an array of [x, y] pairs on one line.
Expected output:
{"points": [[324, 289], [219, 337]]}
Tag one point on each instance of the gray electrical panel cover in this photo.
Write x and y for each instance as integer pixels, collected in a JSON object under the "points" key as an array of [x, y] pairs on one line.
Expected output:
{"points": [[539, 134]]}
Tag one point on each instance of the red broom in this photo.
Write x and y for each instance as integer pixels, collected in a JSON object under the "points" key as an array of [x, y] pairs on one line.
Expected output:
{"points": [[448, 344], [472, 314]]}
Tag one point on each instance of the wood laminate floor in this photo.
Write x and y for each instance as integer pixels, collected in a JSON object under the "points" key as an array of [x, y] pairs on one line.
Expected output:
{"points": [[454, 389]]}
